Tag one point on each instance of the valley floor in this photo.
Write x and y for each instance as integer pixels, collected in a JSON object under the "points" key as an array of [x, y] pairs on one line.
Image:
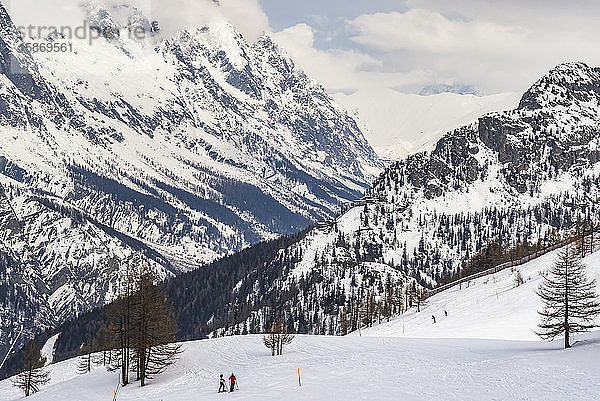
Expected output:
{"points": [[485, 349]]}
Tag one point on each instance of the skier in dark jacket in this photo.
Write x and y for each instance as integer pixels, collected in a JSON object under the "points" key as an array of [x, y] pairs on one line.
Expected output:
{"points": [[433, 317], [232, 379], [222, 388]]}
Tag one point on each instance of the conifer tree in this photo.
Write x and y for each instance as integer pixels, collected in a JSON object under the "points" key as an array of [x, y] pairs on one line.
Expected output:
{"points": [[570, 302], [154, 329], [106, 342], [418, 296], [344, 324], [368, 309], [33, 375]]}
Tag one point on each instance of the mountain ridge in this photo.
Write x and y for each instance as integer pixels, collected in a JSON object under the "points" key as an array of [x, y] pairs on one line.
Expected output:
{"points": [[513, 182], [478, 199], [172, 153]]}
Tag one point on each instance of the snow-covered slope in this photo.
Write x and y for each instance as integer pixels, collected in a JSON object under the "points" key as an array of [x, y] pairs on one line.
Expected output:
{"points": [[492, 307], [172, 150], [351, 368], [523, 174], [399, 124], [491, 191], [483, 350]]}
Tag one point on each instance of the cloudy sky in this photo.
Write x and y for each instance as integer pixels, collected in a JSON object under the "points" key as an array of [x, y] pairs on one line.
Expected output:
{"points": [[494, 46]]}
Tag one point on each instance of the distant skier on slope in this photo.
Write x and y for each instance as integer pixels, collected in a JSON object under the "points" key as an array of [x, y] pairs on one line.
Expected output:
{"points": [[232, 379], [433, 317], [222, 388], [446, 313]]}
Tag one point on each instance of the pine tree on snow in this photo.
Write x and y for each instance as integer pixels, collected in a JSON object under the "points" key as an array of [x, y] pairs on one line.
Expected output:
{"points": [[570, 301], [33, 375]]}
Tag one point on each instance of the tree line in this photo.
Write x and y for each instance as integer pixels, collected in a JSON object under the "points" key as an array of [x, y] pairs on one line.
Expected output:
{"points": [[136, 335]]}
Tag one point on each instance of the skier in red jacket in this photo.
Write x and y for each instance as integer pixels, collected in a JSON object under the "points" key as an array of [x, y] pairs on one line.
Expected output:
{"points": [[232, 379]]}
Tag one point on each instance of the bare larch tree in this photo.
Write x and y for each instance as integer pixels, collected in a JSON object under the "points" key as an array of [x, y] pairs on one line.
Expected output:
{"points": [[33, 375], [154, 329], [277, 336]]}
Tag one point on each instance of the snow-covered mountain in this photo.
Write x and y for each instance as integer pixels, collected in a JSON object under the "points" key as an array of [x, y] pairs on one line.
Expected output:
{"points": [[436, 89], [174, 150], [399, 124], [496, 190], [492, 191], [519, 165]]}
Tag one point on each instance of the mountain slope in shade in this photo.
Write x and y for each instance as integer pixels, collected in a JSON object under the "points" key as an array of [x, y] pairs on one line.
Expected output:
{"points": [[170, 152]]}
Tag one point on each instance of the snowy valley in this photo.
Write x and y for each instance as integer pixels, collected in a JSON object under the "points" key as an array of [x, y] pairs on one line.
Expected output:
{"points": [[509, 185], [472, 203], [180, 200], [513, 183], [174, 151], [398, 124]]}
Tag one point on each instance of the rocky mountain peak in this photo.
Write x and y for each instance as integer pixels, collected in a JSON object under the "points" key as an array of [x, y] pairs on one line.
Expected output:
{"points": [[562, 86], [220, 144]]}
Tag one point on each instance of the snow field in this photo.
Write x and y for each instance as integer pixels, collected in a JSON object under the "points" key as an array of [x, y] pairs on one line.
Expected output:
{"points": [[490, 307], [490, 353], [352, 368]]}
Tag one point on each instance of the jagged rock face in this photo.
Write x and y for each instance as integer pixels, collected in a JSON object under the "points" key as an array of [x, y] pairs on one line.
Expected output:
{"points": [[177, 150], [534, 157], [16, 63], [556, 126], [564, 85]]}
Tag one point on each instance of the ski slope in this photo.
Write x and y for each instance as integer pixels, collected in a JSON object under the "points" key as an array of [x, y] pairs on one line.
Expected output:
{"points": [[352, 368], [490, 353], [491, 307]]}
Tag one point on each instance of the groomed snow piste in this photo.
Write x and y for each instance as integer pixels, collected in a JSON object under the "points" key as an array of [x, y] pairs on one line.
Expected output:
{"points": [[484, 349]]}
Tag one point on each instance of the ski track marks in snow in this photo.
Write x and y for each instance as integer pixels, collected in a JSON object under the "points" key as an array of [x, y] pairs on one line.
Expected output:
{"points": [[490, 307], [353, 368]]}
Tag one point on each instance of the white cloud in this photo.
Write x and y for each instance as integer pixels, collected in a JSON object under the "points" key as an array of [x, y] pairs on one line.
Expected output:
{"points": [[495, 54], [341, 70], [246, 15], [494, 46], [425, 31]]}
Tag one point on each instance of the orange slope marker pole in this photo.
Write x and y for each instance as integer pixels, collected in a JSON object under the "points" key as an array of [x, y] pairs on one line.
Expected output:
{"points": [[299, 382]]}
